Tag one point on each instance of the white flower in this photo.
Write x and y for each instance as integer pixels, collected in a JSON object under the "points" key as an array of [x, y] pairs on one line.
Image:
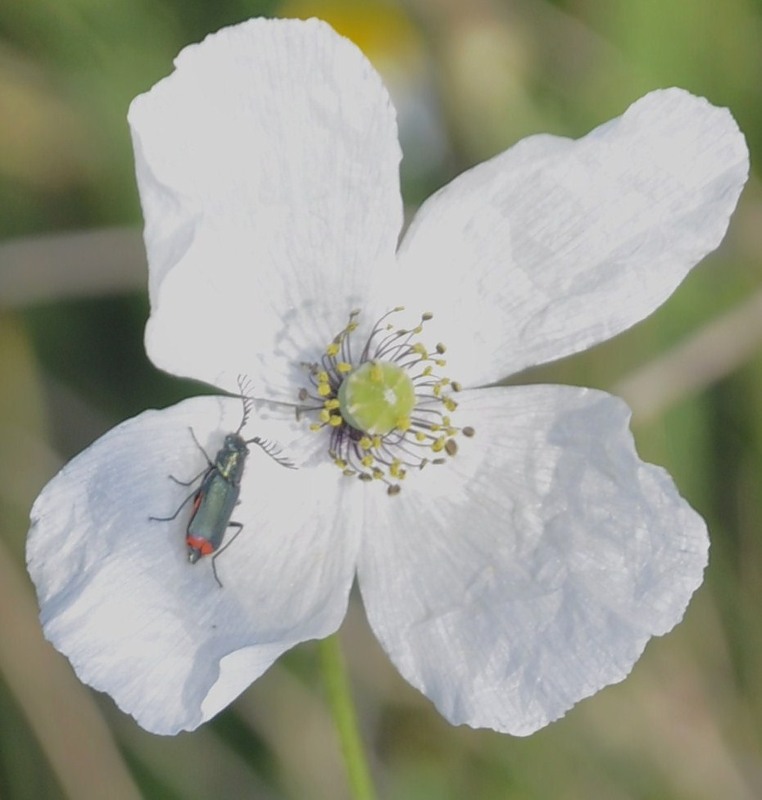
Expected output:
{"points": [[525, 572]]}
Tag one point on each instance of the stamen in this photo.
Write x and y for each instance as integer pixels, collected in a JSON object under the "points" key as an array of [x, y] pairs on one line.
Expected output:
{"points": [[387, 411]]}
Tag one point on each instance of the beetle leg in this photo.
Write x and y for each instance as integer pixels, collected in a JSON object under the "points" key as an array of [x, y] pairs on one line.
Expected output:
{"points": [[224, 547], [208, 461], [191, 481], [179, 509]]}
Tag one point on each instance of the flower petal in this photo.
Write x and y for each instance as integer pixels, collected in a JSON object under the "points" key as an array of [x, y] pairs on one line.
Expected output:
{"points": [[531, 571], [119, 598], [268, 169], [555, 244]]}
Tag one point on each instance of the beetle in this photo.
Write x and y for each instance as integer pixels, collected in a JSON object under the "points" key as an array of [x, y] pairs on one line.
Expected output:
{"points": [[217, 494]]}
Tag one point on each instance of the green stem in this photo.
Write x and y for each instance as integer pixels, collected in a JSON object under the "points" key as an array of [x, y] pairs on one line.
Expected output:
{"points": [[345, 718]]}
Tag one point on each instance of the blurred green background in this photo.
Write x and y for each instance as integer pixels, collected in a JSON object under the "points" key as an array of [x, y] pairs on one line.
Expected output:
{"points": [[469, 79]]}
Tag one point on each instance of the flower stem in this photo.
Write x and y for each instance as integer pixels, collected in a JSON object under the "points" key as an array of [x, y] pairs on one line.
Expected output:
{"points": [[345, 718]]}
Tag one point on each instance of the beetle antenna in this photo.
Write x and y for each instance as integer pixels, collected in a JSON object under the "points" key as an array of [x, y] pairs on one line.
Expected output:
{"points": [[273, 451], [244, 386]]}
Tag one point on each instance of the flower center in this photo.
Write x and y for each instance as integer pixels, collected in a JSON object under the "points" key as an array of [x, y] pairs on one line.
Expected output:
{"points": [[377, 397], [386, 410]]}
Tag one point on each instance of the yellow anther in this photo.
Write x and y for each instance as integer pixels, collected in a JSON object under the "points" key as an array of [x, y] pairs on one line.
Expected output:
{"points": [[379, 407]]}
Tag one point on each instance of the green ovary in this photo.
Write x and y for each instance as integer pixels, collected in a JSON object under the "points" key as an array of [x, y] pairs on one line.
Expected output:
{"points": [[377, 398]]}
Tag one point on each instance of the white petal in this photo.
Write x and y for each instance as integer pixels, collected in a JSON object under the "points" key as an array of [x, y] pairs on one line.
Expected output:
{"points": [[119, 598], [267, 165], [555, 244], [530, 571]]}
